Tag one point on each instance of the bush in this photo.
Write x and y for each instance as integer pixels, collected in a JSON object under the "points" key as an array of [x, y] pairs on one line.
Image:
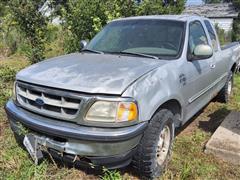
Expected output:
{"points": [[83, 19], [236, 29], [7, 74], [5, 93], [55, 44], [32, 24], [224, 37]]}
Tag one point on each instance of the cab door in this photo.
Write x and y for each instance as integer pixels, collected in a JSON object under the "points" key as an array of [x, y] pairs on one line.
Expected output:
{"points": [[197, 91]]}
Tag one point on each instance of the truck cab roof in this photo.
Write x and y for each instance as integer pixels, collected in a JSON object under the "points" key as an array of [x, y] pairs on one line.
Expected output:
{"points": [[184, 17]]}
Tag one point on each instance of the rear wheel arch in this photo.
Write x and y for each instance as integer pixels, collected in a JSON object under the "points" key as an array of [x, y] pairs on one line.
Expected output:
{"points": [[234, 68]]}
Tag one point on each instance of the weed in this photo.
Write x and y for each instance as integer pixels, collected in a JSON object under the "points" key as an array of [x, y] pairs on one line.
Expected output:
{"points": [[188, 160], [22, 130], [111, 175]]}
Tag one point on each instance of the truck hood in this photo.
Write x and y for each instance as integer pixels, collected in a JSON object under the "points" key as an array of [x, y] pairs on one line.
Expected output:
{"points": [[90, 73]]}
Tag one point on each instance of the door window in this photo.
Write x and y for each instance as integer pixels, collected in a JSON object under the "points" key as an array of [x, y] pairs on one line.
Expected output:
{"points": [[197, 36]]}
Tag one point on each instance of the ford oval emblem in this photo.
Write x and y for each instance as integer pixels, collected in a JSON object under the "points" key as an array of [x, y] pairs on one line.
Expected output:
{"points": [[39, 102]]}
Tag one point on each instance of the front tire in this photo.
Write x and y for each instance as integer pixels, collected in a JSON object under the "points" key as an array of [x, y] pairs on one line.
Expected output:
{"points": [[154, 149]]}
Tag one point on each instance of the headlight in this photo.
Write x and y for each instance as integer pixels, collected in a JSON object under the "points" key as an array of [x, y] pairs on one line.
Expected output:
{"points": [[106, 111]]}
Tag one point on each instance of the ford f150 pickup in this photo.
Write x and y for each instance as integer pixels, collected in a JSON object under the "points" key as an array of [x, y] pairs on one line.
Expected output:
{"points": [[119, 100]]}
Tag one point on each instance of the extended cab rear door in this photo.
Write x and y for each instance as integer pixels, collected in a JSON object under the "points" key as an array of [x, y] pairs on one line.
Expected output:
{"points": [[220, 61]]}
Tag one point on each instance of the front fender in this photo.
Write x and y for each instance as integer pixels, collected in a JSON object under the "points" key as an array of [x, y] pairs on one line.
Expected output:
{"points": [[154, 89]]}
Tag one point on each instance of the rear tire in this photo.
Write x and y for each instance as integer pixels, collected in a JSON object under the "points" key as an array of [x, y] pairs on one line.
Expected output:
{"points": [[155, 147], [225, 93]]}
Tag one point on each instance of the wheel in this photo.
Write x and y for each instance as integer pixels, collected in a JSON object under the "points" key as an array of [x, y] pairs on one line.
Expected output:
{"points": [[154, 149], [226, 91]]}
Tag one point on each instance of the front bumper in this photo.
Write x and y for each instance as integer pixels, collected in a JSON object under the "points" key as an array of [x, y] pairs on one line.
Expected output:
{"points": [[111, 147]]}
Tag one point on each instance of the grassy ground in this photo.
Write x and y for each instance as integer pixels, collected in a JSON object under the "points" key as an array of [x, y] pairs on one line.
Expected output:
{"points": [[188, 161]]}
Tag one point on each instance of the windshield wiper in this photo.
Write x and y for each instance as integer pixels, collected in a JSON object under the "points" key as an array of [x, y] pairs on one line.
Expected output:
{"points": [[91, 50], [139, 54]]}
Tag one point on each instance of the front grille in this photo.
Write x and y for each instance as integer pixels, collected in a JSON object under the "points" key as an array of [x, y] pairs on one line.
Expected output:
{"points": [[47, 101]]}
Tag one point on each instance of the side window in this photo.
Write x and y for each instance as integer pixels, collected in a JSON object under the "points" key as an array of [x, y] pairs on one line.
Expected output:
{"points": [[197, 36], [212, 35]]}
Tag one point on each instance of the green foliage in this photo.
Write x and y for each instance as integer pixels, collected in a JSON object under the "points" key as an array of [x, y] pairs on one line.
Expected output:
{"points": [[236, 3], [236, 29], [8, 32], [5, 93], [188, 159], [221, 34], [83, 19], [156, 7], [55, 41], [111, 175], [224, 37], [78, 18], [7, 73], [236, 23], [33, 25]]}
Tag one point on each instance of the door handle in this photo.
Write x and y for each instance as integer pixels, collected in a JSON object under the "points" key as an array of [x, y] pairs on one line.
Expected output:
{"points": [[212, 66]]}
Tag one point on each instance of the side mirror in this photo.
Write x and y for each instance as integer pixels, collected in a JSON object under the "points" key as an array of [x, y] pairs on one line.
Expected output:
{"points": [[202, 51], [83, 44]]}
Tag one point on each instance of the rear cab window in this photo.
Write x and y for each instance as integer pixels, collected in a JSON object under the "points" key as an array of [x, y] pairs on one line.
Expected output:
{"points": [[212, 35]]}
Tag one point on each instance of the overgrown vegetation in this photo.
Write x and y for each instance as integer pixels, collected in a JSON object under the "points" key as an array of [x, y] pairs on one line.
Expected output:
{"points": [[82, 20], [188, 160], [223, 36], [25, 25], [236, 28], [32, 24]]}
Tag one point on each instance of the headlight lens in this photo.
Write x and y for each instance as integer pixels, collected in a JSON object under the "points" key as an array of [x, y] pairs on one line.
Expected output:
{"points": [[107, 111]]}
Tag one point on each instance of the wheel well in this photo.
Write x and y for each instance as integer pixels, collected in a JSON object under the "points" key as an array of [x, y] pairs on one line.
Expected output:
{"points": [[234, 66], [174, 106]]}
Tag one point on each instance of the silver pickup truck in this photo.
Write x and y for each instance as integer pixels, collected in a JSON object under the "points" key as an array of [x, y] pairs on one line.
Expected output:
{"points": [[120, 99]]}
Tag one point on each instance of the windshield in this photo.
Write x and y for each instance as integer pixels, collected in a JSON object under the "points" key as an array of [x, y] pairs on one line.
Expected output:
{"points": [[161, 38]]}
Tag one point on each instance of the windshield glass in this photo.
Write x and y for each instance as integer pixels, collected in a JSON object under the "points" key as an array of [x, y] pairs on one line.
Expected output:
{"points": [[161, 38]]}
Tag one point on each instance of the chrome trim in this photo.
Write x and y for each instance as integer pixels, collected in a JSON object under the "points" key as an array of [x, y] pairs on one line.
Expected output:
{"points": [[202, 92], [56, 104]]}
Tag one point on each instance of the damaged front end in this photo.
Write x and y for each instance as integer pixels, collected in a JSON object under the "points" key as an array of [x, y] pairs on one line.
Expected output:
{"points": [[73, 143]]}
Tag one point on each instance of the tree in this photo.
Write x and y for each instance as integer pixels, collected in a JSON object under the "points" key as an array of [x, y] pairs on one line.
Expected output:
{"points": [[80, 19], [236, 23], [236, 29], [32, 24], [236, 3], [8, 31], [83, 19]]}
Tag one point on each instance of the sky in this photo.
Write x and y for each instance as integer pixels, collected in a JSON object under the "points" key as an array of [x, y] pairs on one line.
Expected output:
{"points": [[194, 2]]}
